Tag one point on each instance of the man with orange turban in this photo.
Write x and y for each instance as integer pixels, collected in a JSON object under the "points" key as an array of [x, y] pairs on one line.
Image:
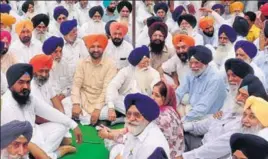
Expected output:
{"points": [[91, 79], [118, 49], [236, 7], [208, 31], [25, 47], [177, 66], [6, 21]]}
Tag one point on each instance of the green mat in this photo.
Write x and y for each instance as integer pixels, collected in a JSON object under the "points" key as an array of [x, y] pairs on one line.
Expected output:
{"points": [[92, 146]]}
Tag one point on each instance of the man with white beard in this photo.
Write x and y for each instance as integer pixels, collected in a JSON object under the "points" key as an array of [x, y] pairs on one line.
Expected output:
{"points": [[15, 138], [145, 11], [246, 51], [137, 77], [225, 50], [144, 139], [95, 25], [40, 24]]}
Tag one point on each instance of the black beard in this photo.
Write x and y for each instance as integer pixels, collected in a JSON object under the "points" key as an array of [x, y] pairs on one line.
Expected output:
{"points": [[157, 46], [25, 39], [95, 55], [209, 34], [41, 80], [4, 51], [111, 9], [22, 99], [117, 42], [183, 56]]}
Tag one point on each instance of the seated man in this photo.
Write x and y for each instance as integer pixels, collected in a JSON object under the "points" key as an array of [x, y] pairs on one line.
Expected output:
{"points": [[208, 31], [203, 83], [91, 79], [15, 137], [40, 24], [42, 84], [217, 132], [178, 65], [25, 106], [60, 72], [138, 77], [142, 131]]}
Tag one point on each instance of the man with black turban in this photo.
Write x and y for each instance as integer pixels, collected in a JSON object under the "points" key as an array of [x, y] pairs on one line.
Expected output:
{"points": [[241, 27], [40, 24], [187, 23], [28, 9], [15, 137], [25, 106], [94, 25]]}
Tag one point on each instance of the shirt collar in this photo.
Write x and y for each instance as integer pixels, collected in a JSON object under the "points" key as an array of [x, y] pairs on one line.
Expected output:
{"points": [[204, 74], [88, 59], [142, 136], [74, 44]]}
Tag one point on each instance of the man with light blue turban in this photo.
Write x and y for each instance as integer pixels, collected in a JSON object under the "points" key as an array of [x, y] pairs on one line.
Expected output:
{"points": [[110, 12]]}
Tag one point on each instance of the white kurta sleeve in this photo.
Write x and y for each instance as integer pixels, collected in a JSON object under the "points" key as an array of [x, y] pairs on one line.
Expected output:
{"points": [[3, 83], [45, 111], [170, 65], [201, 127]]}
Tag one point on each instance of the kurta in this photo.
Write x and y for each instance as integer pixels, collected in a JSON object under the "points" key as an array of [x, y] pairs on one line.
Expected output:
{"points": [[259, 73], [118, 54], [262, 61], [157, 60], [25, 53], [90, 83], [3, 83], [83, 14], [91, 27], [8, 60], [207, 93]]}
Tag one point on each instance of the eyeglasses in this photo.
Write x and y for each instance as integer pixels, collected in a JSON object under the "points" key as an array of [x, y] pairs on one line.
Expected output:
{"points": [[137, 115]]}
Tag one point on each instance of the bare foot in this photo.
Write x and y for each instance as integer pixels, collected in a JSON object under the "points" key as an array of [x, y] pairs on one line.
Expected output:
{"points": [[66, 141], [63, 150]]}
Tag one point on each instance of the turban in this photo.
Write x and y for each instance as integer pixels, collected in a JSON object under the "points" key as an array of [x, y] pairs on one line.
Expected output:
{"points": [[12, 130], [58, 11], [5, 34], [51, 44], [254, 86], [15, 72], [241, 26], [183, 38], [41, 61], [162, 6], [236, 6], [91, 39], [218, 6], [248, 47], [251, 16], [67, 26], [264, 9], [26, 5], [228, 31], [137, 54], [239, 67], [146, 105], [188, 18], [7, 20], [118, 26], [95, 9], [106, 3], [158, 26], [24, 24], [153, 19], [259, 107], [177, 12], [40, 18], [5, 8], [252, 146], [107, 27], [159, 153], [206, 22], [201, 53], [123, 4]]}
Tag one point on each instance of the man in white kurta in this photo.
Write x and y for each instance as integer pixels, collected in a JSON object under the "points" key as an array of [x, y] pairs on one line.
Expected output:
{"points": [[208, 31], [60, 14], [25, 106], [118, 49], [82, 8], [25, 47], [137, 77]]}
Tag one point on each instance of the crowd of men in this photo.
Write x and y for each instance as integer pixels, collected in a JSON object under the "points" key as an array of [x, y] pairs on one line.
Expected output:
{"points": [[71, 62]]}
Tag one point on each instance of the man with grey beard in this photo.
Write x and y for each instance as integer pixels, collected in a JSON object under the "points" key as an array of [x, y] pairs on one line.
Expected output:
{"points": [[225, 50], [40, 24], [143, 138]]}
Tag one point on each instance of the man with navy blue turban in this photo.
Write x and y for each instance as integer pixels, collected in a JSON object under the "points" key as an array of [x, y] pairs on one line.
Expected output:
{"points": [[225, 50], [5, 8], [161, 10], [60, 15], [25, 106], [204, 85], [141, 112], [15, 137], [219, 8], [247, 51], [94, 25], [241, 26], [138, 72]]}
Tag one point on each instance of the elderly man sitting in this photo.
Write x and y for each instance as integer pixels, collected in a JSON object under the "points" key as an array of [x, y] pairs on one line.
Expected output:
{"points": [[144, 139], [138, 77], [15, 137]]}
